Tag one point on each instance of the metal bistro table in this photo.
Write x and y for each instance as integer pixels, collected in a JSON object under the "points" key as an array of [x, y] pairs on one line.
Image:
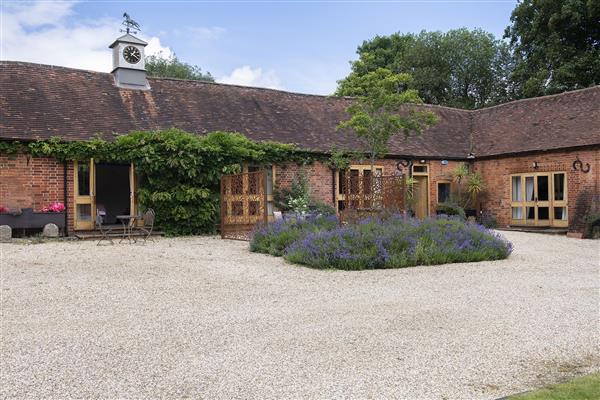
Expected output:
{"points": [[128, 221]]}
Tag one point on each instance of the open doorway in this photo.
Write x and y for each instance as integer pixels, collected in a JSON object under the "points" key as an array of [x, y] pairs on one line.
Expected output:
{"points": [[112, 191]]}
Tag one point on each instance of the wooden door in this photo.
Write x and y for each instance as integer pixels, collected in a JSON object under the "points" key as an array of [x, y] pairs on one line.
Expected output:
{"points": [[559, 215], [421, 195], [539, 199], [84, 213]]}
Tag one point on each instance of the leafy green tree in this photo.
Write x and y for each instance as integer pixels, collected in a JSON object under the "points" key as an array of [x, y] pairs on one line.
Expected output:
{"points": [[376, 115], [171, 67], [556, 45], [459, 68]]}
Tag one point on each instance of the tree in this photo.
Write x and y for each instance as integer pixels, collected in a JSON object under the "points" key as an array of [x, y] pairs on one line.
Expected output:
{"points": [[556, 45], [170, 67], [375, 114], [459, 68]]}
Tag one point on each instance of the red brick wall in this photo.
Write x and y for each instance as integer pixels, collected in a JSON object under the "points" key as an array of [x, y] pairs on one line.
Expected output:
{"points": [[30, 182], [34, 182], [37, 182], [580, 185], [438, 172], [319, 177]]}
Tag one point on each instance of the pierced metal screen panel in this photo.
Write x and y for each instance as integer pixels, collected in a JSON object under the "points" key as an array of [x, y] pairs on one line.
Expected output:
{"points": [[243, 204], [364, 195]]}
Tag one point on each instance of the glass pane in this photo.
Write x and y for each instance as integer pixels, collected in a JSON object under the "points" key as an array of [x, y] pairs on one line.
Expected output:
{"points": [[560, 213], [559, 186], [543, 188], [443, 192], [342, 179], [378, 172], [530, 212], [517, 194], [269, 180], [420, 168], [84, 212], [270, 208], [83, 179], [529, 189], [543, 213], [517, 212]]}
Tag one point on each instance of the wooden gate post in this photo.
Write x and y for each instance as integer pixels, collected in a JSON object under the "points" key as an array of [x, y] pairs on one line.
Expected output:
{"points": [[265, 197]]}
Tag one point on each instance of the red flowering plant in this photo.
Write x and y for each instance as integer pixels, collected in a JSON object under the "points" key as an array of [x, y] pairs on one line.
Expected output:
{"points": [[54, 207], [3, 210]]}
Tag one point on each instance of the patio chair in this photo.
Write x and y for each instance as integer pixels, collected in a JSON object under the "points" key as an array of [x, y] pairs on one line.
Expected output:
{"points": [[145, 229], [105, 230]]}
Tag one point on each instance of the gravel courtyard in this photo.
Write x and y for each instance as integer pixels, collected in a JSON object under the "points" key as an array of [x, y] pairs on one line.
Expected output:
{"points": [[205, 318]]}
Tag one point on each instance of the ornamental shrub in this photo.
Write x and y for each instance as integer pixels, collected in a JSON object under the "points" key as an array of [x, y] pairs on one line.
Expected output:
{"points": [[275, 237], [449, 208], [392, 242]]}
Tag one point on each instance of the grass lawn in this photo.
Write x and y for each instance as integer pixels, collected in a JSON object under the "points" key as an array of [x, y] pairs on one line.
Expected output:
{"points": [[585, 387]]}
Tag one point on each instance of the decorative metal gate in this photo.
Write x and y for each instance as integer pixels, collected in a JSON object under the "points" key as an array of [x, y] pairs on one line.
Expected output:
{"points": [[364, 195], [243, 204]]}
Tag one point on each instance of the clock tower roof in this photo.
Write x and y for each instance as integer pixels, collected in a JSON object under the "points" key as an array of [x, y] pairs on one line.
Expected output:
{"points": [[128, 38]]}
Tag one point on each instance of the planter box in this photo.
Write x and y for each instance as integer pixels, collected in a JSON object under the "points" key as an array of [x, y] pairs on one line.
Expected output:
{"points": [[29, 219], [470, 212]]}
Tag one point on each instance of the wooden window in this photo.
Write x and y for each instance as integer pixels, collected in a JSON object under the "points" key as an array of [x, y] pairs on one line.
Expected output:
{"points": [[420, 169], [539, 199], [443, 191]]}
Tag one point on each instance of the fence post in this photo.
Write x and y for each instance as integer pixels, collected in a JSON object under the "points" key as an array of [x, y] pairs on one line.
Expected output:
{"points": [[266, 196], [222, 216]]}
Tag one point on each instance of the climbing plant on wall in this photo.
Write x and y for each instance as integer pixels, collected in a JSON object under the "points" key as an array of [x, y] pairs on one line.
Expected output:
{"points": [[178, 171]]}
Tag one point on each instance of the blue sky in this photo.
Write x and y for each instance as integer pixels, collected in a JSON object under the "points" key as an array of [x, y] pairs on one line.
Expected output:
{"points": [[299, 46]]}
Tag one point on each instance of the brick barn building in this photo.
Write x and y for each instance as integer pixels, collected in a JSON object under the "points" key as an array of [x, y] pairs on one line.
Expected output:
{"points": [[539, 157]]}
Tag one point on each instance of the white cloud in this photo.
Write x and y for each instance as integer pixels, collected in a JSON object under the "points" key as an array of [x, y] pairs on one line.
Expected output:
{"points": [[205, 33], [248, 76], [39, 32]]}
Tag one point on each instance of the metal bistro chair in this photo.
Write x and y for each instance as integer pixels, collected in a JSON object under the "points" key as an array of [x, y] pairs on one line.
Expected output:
{"points": [[105, 231], [147, 225]]}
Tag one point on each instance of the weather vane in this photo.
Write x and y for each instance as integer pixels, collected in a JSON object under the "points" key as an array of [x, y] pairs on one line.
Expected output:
{"points": [[130, 24]]}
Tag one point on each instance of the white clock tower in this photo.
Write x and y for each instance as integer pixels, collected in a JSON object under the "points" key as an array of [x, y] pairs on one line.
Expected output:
{"points": [[128, 62]]}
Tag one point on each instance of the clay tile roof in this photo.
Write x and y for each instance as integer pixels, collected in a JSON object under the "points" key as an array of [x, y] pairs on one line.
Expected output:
{"points": [[569, 119], [41, 101]]}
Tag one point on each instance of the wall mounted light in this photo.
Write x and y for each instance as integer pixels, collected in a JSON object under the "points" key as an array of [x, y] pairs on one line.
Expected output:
{"points": [[444, 162], [470, 156], [422, 161], [535, 165]]}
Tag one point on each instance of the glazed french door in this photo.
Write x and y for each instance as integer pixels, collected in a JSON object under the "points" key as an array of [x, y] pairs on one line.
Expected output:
{"points": [[84, 201], [539, 199]]}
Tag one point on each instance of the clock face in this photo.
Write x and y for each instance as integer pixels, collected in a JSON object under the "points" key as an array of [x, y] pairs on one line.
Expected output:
{"points": [[132, 54]]}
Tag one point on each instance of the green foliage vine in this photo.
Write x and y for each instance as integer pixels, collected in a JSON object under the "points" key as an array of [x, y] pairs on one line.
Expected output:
{"points": [[178, 171]]}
